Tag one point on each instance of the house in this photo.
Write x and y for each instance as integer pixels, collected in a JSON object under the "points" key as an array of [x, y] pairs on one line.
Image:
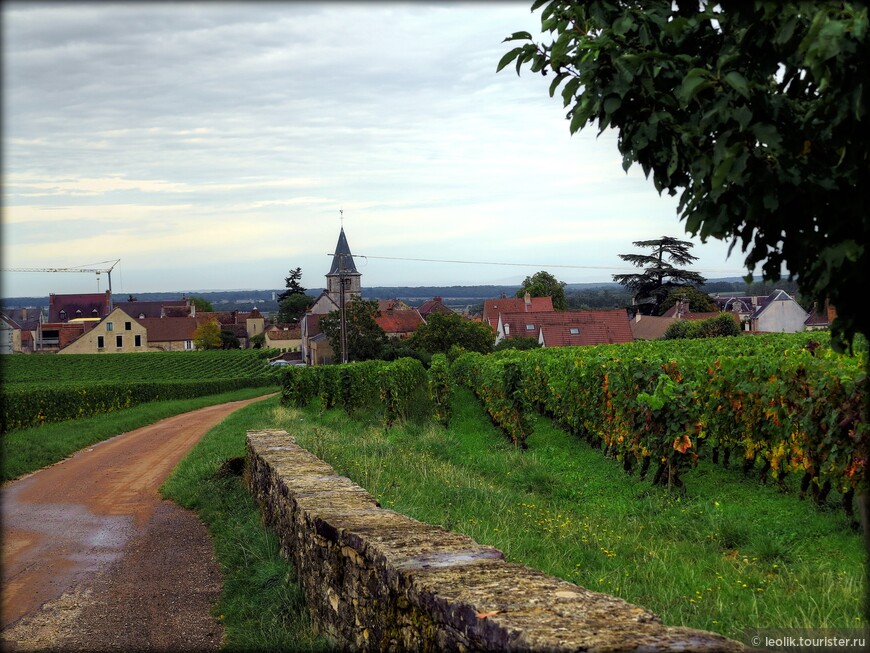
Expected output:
{"points": [[10, 335], [115, 334], [776, 313], [25, 324], [434, 305], [399, 321], [170, 333], [528, 304], [286, 337], [566, 328], [650, 327]]}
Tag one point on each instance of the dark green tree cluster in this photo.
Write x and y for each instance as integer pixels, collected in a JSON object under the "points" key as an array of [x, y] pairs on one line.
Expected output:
{"points": [[293, 302], [663, 273], [721, 325], [544, 284], [445, 330], [365, 339]]}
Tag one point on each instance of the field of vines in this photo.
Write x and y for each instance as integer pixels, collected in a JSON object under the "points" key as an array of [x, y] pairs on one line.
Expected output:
{"points": [[49, 388], [784, 408]]}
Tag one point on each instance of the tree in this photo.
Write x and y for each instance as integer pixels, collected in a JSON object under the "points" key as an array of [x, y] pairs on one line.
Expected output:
{"points": [[208, 335], [229, 340], [291, 283], [291, 309], [544, 284], [258, 341], [293, 302], [443, 330], [202, 304], [365, 339], [660, 275], [699, 302], [755, 112]]}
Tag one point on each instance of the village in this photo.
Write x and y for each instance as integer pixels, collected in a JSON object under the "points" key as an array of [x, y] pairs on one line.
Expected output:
{"points": [[96, 324]]}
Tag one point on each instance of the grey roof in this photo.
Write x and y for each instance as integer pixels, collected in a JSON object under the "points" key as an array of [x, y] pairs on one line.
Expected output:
{"points": [[342, 251]]}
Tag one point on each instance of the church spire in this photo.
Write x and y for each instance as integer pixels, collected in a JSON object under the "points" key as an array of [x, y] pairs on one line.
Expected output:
{"points": [[342, 251]]}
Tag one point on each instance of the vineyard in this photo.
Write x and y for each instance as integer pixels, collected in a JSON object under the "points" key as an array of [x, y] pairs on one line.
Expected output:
{"points": [[40, 389], [778, 406]]}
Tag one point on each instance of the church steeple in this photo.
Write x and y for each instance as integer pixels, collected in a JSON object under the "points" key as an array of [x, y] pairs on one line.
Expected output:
{"points": [[343, 265]]}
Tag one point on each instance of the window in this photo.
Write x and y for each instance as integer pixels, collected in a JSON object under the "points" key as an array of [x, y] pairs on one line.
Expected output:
{"points": [[128, 326], [575, 331], [95, 313], [110, 326], [530, 327], [63, 316], [119, 341], [137, 340], [188, 344], [101, 342], [78, 313]]}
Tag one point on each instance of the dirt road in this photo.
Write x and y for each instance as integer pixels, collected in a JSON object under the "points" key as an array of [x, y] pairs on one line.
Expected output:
{"points": [[94, 559]]}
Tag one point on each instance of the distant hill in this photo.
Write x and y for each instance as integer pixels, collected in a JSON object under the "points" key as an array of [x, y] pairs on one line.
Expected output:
{"points": [[456, 297]]}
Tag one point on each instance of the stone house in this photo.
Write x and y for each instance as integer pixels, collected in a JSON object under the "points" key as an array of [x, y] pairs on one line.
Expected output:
{"points": [[117, 333], [285, 337]]}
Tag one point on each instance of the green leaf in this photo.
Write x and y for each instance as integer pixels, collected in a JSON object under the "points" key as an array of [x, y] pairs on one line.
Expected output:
{"points": [[622, 25], [738, 82], [556, 81], [519, 36], [695, 81], [612, 103], [507, 58]]}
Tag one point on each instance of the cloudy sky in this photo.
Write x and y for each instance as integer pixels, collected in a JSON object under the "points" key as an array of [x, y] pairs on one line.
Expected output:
{"points": [[215, 145]]}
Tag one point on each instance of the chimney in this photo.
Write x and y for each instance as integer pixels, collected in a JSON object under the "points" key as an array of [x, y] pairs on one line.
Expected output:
{"points": [[527, 298], [23, 314], [438, 299]]}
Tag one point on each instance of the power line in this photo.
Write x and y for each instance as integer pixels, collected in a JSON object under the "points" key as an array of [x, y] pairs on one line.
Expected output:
{"points": [[525, 265]]}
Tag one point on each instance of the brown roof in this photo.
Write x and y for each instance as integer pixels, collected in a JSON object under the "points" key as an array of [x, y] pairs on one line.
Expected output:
{"points": [[650, 327], [90, 305], [401, 321], [153, 308], [572, 328], [169, 329], [434, 305], [492, 307]]}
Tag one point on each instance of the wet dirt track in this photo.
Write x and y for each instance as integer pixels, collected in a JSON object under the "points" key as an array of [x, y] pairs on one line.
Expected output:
{"points": [[94, 559]]}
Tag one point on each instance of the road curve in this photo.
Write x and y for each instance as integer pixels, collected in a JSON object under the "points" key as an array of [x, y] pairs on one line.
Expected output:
{"points": [[90, 550]]}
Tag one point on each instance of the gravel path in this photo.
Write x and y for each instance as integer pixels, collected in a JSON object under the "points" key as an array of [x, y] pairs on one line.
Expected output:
{"points": [[95, 560]]}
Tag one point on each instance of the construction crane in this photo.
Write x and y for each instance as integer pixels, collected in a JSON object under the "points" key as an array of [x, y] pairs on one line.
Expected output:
{"points": [[88, 267]]}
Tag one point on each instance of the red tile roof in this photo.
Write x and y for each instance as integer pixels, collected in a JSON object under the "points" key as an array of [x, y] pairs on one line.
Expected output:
{"points": [[434, 305], [594, 327], [399, 322], [492, 307]]}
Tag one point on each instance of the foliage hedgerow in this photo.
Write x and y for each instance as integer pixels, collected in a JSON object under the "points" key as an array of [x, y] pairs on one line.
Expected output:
{"points": [[441, 388]]}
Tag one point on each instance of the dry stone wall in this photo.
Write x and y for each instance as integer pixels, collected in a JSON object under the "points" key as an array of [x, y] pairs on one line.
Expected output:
{"points": [[376, 580]]}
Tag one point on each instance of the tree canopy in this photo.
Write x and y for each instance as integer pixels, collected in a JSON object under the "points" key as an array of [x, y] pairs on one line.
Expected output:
{"points": [[661, 272], [365, 339], [208, 335], [293, 302], [292, 285], [544, 284], [754, 112], [443, 330], [202, 304]]}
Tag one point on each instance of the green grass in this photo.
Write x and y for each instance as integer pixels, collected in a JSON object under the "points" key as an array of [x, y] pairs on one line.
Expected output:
{"points": [[261, 606], [728, 555], [26, 450]]}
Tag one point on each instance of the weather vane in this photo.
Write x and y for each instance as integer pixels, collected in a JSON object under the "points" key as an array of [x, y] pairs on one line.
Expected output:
{"points": [[341, 211]]}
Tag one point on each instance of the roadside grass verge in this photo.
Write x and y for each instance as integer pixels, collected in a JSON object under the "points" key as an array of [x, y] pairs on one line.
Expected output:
{"points": [[27, 450], [261, 607], [728, 555]]}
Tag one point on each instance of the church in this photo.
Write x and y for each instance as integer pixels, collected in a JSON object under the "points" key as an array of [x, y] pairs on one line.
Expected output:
{"points": [[316, 349]]}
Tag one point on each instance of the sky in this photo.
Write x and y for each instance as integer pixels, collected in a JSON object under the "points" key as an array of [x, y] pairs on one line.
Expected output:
{"points": [[217, 145]]}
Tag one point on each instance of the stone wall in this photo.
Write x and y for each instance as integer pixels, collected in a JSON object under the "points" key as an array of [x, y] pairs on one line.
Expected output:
{"points": [[376, 580]]}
